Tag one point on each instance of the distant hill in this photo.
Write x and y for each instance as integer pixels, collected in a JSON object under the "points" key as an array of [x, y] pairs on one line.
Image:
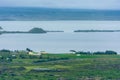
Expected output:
{"points": [[21, 13]]}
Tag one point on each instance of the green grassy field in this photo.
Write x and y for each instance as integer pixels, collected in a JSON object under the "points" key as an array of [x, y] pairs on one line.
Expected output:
{"points": [[62, 67]]}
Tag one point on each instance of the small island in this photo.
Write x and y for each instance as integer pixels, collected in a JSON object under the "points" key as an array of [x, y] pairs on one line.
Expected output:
{"points": [[97, 31], [35, 30]]}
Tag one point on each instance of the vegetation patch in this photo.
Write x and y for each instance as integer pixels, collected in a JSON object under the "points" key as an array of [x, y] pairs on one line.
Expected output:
{"points": [[23, 66]]}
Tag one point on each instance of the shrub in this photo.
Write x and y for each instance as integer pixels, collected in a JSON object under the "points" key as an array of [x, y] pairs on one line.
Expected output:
{"points": [[110, 52], [4, 50]]}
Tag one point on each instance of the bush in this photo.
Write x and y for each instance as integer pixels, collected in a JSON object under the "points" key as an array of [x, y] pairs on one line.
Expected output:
{"points": [[110, 52], [106, 53], [85, 53], [4, 50], [99, 53], [23, 56]]}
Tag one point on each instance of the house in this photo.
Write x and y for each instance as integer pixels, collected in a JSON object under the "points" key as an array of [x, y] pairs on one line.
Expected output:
{"points": [[34, 53]]}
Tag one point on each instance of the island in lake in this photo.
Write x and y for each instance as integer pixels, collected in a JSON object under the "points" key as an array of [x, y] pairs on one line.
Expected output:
{"points": [[97, 31], [33, 30]]}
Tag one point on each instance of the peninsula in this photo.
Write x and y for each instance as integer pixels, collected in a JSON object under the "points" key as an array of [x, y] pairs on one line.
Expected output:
{"points": [[33, 31], [97, 31]]}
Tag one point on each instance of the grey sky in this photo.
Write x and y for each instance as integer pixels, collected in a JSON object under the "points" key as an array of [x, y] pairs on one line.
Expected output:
{"points": [[88, 4]]}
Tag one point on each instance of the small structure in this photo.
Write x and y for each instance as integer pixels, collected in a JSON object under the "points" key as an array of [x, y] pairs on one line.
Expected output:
{"points": [[73, 51], [34, 53], [30, 52]]}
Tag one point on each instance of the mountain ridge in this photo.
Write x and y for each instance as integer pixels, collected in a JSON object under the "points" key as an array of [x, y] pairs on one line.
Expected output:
{"points": [[33, 13]]}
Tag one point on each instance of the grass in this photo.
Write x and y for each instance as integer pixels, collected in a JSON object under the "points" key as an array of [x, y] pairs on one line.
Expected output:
{"points": [[67, 66]]}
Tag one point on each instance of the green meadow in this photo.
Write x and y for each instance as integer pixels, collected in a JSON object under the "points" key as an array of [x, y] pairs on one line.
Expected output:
{"points": [[59, 67]]}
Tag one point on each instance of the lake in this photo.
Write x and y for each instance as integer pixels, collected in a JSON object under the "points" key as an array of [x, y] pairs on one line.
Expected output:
{"points": [[61, 42]]}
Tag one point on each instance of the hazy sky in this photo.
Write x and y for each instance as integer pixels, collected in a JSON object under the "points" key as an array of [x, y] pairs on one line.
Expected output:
{"points": [[87, 4]]}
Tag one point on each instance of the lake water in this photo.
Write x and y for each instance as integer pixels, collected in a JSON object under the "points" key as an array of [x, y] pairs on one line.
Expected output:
{"points": [[61, 42]]}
